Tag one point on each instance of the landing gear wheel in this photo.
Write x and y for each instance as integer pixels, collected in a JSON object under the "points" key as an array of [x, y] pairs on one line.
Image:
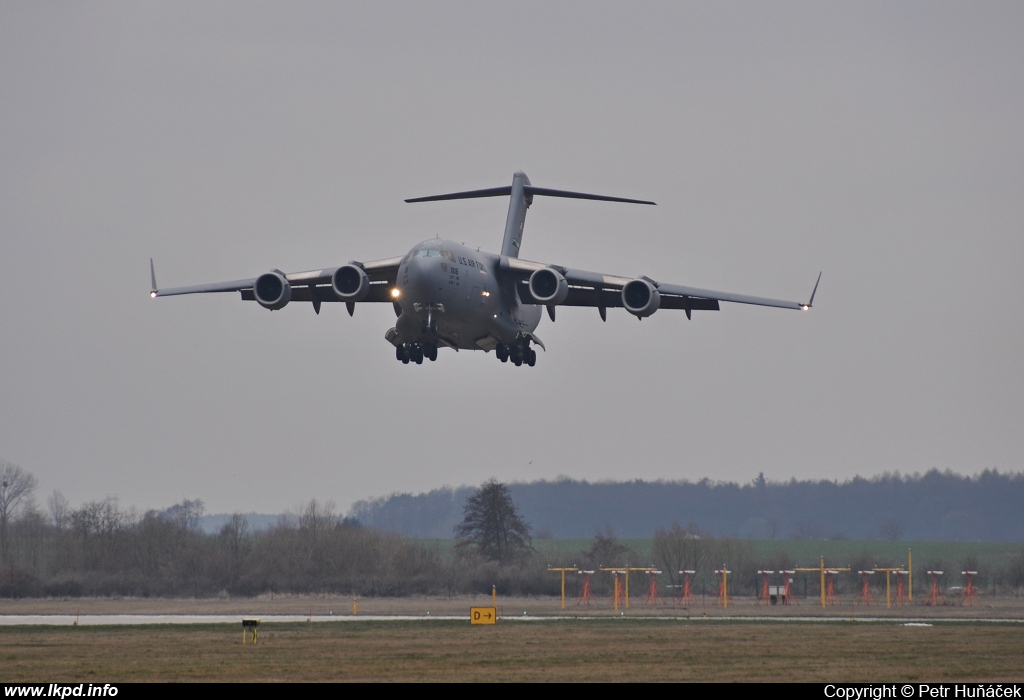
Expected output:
{"points": [[501, 351], [531, 357], [417, 354], [430, 352], [399, 353]]}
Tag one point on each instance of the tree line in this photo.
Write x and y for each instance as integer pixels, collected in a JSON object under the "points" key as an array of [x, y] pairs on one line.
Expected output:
{"points": [[101, 548]]}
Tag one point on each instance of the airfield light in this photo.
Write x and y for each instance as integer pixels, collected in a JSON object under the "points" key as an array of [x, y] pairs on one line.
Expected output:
{"points": [[968, 597], [866, 598], [585, 596], [723, 587], [935, 595], [686, 596], [827, 584], [766, 593], [653, 597], [562, 570]]}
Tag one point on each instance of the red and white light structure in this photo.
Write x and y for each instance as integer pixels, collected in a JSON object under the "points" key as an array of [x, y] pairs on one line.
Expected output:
{"points": [[968, 598], [766, 578], [686, 597], [585, 597], [866, 598], [935, 595], [653, 597]]}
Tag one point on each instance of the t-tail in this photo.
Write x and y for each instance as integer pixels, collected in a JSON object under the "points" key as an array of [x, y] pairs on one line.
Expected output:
{"points": [[521, 194]]}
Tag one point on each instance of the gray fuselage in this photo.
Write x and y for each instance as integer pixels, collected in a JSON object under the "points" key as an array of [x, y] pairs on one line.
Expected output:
{"points": [[454, 294]]}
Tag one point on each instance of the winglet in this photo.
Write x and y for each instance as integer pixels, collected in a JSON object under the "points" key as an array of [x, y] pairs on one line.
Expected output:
{"points": [[810, 303], [152, 277]]}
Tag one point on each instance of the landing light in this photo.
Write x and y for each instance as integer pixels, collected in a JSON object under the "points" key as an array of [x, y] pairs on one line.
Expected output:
{"points": [[395, 293], [805, 307], [152, 295]]}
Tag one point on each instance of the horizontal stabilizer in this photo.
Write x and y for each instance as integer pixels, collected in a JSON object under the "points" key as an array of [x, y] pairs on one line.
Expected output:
{"points": [[472, 194], [529, 191], [521, 193]]}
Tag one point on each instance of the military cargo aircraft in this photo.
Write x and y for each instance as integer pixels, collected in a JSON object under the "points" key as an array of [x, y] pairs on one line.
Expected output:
{"points": [[447, 295]]}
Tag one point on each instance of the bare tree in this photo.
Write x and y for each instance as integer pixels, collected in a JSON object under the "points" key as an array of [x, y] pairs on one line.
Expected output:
{"points": [[892, 529], [680, 548], [60, 511], [186, 515], [235, 534], [492, 523], [317, 522], [102, 527], [16, 485], [606, 550], [317, 518]]}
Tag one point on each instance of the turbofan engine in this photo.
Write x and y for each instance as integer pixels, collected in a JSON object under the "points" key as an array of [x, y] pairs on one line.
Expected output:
{"points": [[548, 287], [640, 298], [350, 283], [272, 290]]}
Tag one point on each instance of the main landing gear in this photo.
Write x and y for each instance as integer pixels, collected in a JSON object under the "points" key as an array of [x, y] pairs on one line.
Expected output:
{"points": [[415, 352], [519, 352]]}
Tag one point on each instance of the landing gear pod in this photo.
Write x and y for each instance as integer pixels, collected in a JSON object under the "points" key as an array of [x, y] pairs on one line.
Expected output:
{"points": [[548, 287], [640, 297], [350, 283], [272, 290]]}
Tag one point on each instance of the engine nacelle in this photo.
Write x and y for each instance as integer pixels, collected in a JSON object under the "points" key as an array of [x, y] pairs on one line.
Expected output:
{"points": [[350, 283], [548, 287], [640, 298], [272, 290]]}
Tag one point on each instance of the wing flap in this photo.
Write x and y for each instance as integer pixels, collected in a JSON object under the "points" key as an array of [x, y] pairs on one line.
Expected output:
{"points": [[378, 292], [679, 290], [612, 298], [213, 288], [306, 286], [601, 290]]}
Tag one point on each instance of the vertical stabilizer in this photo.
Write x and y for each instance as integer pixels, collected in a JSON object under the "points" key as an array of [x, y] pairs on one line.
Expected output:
{"points": [[519, 201]]}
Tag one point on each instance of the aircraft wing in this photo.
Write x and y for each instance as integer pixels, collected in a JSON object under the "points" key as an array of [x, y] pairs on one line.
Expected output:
{"points": [[606, 291], [312, 285]]}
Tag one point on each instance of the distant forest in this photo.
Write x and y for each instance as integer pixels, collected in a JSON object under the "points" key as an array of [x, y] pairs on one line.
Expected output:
{"points": [[932, 506]]}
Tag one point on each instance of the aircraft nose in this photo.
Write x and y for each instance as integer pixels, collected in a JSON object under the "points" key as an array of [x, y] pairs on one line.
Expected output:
{"points": [[420, 278]]}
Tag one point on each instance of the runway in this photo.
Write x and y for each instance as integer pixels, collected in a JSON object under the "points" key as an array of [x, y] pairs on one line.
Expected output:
{"points": [[115, 620]]}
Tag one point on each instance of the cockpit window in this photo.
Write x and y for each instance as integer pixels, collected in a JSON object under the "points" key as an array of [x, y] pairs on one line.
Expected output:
{"points": [[435, 253]]}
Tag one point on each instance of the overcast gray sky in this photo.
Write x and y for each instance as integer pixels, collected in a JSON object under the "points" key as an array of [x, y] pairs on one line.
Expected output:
{"points": [[879, 142]]}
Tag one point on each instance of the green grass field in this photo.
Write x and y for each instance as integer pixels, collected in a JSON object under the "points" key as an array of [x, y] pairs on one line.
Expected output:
{"points": [[600, 649], [990, 556]]}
